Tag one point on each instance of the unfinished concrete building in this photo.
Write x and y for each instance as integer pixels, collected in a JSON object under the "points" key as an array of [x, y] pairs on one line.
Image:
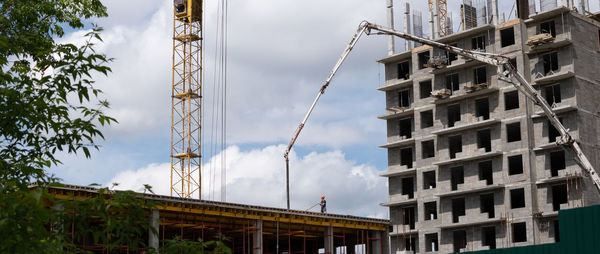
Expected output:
{"points": [[473, 163]]}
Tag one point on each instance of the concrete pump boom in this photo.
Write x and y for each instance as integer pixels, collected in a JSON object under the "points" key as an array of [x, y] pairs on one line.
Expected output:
{"points": [[506, 72]]}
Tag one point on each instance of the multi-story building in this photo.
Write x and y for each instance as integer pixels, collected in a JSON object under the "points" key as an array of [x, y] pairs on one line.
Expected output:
{"points": [[473, 163]]}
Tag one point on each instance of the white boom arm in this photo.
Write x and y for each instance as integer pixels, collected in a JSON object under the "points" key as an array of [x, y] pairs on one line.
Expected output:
{"points": [[510, 75]]}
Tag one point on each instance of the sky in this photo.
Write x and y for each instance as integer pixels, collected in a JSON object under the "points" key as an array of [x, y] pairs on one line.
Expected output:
{"points": [[279, 53]]}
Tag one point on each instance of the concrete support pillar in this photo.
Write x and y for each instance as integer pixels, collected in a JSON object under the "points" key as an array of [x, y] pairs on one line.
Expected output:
{"points": [[495, 12], [431, 26], [581, 6], [154, 224], [407, 29], [390, 18], [328, 241], [436, 19], [257, 237]]}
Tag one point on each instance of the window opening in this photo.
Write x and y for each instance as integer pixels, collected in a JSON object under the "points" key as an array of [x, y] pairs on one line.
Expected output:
{"points": [[556, 231], [425, 89], [507, 37], [409, 216], [553, 132], [452, 83], [423, 59], [511, 100], [457, 176], [404, 98], [460, 240], [548, 28], [519, 232], [489, 237], [515, 165], [513, 132], [517, 198], [429, 180], [480, 75], [458, 209], [451, 56], [406, 158], [487, 204], [431, 242], [482, 108], [403, 70], [453, 114], [559, 196], [485, 172], [478, 43], [408, 186], [426, 119], [405, 127], [557, 162], [410, 244], [431, 210], [513, 62], [550, 62], [553, 94], [484, 140], [427, 149], [455, 145]]}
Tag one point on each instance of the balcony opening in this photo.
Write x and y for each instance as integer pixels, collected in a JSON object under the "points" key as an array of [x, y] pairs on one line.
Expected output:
{"points": [[485, 172], [428, 149], [410, 244], [548, 28], [425, 89], [408, 217], [405, 126], [482, 108], [517, 198], [553, 132], [550, 62], [458, 209], [507, 37], [459, 240], [486, 202], [451, 56], [431, 242], [513, 132], [480, 75], [408, 187], [404, 98], [423, 59], [519, 232], [406, 157], [515, 165], [431, 210], [553, 94], [557, 162], [556, 231], [457, 176], [452, 83], [478, 43], [404, 70], [488, 237], [453, 114], [429, 180], [426, 119], [455, 145], [511, 100], [559, 196], [484, 140]]}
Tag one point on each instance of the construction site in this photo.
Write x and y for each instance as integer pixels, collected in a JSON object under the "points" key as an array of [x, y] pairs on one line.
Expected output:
{"points": [[492, 129]]}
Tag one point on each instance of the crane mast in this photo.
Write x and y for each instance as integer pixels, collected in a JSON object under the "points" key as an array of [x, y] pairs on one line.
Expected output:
{"points": [[510, 75], [186, 99]]}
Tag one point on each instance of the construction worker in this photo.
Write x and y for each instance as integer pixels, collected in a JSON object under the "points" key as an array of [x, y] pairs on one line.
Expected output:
{"points": [[323, 204]]}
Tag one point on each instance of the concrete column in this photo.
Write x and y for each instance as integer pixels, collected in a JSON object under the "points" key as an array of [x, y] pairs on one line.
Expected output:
{"points": [[390, 17], [407, 29], [257, 237], [495, 12], [431, 26], [328, 243], [154, 224], [436, 19], [581, 6]]}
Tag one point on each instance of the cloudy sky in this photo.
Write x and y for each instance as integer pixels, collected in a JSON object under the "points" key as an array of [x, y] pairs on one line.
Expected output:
{"points": [[279, 52]]}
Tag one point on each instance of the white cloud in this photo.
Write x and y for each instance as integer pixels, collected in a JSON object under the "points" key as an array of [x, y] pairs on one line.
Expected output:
{"points": [[257, 177]]}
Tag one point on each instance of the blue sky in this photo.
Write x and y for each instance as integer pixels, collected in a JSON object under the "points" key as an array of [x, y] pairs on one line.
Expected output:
{"points": [[279, 51]]}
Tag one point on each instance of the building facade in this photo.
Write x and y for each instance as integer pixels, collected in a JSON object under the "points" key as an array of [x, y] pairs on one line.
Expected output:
{"points": [[473, 163]]}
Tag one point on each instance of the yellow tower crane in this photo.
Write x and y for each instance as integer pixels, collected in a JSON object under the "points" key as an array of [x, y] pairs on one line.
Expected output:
{"points": [[442, 15], [186, 99]]}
